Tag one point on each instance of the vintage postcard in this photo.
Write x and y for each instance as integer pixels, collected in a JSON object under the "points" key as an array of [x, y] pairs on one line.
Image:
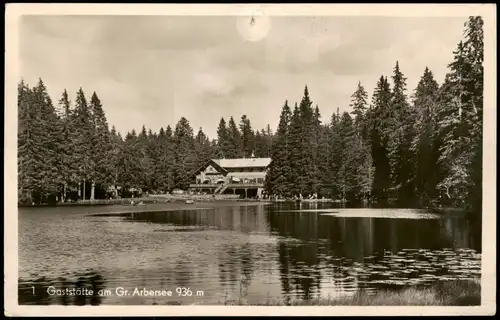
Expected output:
{"points": [[250, 159]]}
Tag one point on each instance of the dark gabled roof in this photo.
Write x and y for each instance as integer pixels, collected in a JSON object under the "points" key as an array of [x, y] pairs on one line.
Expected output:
{"points": [[206, 164]]}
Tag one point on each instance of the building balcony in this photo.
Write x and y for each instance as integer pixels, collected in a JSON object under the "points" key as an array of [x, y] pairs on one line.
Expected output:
{"points": [[229, 186], [204, 185], [245, 185]]}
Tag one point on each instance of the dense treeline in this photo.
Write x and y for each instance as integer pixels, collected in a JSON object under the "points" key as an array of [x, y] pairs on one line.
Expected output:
{"points": [[68, 150], [418, 150]]}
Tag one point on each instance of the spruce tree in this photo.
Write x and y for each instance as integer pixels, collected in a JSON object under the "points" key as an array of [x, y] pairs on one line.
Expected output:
{"points": [[165, 168], [295, 154], [361, 143], [364, 169], [267, 140], [259, 144], [152, 152], [474, 45], [184, 154], [460, 121], [247, 137], [83, 126], [203, 148], [116, 150], [235, 149], [27, 158], [67, 151], [319, 142], [424, 145], [145, 162], [335, 151], [400, 136], [263, 142], [160, 169], [349, 158], [131, 175], [359, 105], [277, 181], [307, 169], [223, 142], [49, 141], [380, 125], [324, 153], [101, 147]]}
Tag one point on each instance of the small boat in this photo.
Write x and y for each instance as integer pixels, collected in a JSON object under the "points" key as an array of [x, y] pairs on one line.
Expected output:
{"points": [[189, 201]]}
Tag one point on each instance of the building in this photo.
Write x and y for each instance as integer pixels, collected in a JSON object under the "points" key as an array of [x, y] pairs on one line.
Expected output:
{"points": [[244, 176]]}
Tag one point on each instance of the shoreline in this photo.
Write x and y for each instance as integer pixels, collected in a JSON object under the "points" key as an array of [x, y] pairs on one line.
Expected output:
{"points": [[181, 199], [127, 201], [178, 202], [171, 199]]}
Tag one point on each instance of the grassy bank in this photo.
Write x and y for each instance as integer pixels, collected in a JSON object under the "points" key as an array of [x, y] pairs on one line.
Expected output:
{"points": [[447, 293], [144, 200]]}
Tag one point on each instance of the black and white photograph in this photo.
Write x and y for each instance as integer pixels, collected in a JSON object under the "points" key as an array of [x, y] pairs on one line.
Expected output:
{"points": [[173, 159]]}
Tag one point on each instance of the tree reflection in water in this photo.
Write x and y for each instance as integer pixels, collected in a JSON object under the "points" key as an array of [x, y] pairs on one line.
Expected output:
{"points": [[251, 253], [339, 255]]}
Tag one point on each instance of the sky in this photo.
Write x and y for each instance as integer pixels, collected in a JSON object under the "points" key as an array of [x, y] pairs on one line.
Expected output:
{"points": [[153, 70]]}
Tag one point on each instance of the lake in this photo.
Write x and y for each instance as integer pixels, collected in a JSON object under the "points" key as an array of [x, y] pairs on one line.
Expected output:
{"points": [[250, 253]]}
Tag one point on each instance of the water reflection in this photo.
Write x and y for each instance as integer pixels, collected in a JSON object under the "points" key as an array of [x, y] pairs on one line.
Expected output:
{"points": [[337, 256], [243, 219], [251, 253]]}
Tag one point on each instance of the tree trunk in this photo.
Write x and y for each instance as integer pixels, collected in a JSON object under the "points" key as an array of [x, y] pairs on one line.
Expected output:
{"points": [[92, 191], [84, 189], [63, 198], [79, 190], [448, 192]]}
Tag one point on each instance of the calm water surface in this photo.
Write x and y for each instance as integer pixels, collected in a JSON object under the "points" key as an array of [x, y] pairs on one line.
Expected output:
{"points": [[252, 253]]}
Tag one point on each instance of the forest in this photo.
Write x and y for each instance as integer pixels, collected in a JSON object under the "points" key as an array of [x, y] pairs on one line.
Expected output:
{"points": [[416, 149]]}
